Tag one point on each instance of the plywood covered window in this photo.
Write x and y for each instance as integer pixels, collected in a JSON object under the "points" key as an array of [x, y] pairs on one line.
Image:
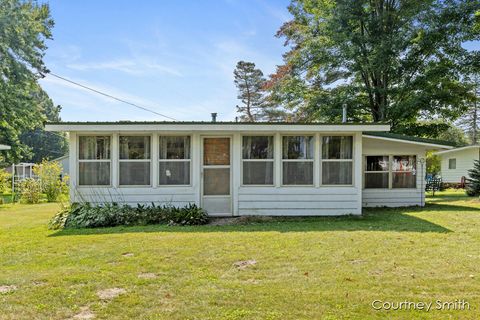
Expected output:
{"points": [[174, 160], [297, 160], [135, 160], [94, 160], [337, 160], [257, 160]]}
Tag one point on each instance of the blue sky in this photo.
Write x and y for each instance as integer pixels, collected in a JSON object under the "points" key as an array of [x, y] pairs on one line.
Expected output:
{"points": [[176, 57]]}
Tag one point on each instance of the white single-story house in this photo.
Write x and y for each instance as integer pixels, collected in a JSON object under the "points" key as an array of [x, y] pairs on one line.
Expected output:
{"points": [[455, 163], [4, 147], [235, 168]]}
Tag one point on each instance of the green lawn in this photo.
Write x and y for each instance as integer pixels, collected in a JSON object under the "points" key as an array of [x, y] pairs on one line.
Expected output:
{"points": [[314, 268]]}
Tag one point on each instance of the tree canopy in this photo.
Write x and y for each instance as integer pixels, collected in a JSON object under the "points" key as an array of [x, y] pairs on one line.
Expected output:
{"points": [[24, 28], [395, 61]]}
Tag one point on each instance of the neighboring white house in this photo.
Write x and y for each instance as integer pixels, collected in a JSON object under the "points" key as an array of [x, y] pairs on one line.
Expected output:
{"points": [[231, 168], [4, 147], [455, 163]]}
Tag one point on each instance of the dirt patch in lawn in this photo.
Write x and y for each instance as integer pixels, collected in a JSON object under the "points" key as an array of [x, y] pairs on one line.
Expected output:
{"points": [[85, 313], [239, 220], [127, 254], [7, 289], [111, 293], [241, 265]]}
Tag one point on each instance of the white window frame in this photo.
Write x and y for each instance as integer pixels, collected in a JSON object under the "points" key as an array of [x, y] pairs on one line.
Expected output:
{"points": [[272, 160], [455, 166], [134, 160], [396, 171], [189, 160], [390, 170], [299, 160], [94, 160], [322, 160]]}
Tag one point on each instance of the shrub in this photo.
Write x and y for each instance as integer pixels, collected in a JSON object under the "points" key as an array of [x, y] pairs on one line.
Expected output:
{"points": [[30, 190], [473, 181], [49, 173], [86, 215], [5, 181]]}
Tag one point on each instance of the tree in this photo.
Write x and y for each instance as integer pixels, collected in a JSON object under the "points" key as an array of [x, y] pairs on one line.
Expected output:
{"points": [[45, 145], [250, 82], [470, 121], [395, 61], [24, 28], [473, 181]]}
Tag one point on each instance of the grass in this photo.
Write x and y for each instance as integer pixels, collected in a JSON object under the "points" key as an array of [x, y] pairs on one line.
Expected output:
{"points": [[310, 268]]}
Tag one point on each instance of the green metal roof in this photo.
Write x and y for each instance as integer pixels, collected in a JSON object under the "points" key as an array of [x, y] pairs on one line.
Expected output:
{"points": [[410, 138]]}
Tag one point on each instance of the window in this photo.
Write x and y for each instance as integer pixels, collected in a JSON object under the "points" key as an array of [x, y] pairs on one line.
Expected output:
{"points": [[257, 160], [377, 172], [134, 161], [337, 160], [94, 160], [452, 164], [297, 160], [174, 160], [404, 172]]}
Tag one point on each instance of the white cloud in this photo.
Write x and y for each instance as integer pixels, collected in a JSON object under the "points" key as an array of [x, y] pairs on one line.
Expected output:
{"points": [[133, 66]]}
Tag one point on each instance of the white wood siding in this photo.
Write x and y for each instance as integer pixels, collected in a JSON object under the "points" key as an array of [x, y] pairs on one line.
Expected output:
{"points": [[395, 197], [465, 160], [259, 200], [298, 201]]}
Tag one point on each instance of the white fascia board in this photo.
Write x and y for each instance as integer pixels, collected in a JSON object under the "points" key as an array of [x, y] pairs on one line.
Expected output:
{"points": [[456, 149], [213, 128], [426, 144]]}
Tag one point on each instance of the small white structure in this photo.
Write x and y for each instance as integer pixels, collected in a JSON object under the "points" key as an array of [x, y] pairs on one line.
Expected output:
{"points": [[231, 168], [21, 171], [455, 163], [4, 147]]}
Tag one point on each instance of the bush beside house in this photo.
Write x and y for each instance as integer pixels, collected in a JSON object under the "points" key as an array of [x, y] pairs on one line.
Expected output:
{"points": [[85, 215]]}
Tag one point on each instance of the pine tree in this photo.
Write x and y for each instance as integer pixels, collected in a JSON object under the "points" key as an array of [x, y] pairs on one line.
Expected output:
{"points": [[250, 82], [473, 181]]}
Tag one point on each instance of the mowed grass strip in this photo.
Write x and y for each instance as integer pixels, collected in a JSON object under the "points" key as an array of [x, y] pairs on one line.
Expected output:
{"points": [[295, 268]]}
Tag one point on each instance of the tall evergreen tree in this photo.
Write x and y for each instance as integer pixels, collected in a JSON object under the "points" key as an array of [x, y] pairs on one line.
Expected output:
{"points": [[255, 106], [473, 181], [396, 61], [24, 27]]}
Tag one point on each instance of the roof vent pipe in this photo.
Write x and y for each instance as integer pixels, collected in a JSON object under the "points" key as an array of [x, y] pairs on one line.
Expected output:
{"points": [[344, 113], [214, 117]]}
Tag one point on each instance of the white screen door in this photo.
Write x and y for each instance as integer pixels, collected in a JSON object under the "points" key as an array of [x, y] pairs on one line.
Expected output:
{"points": [[216, 176]]}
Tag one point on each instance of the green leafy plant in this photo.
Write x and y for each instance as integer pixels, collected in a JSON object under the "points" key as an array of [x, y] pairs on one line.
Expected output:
{"points": [[49, 173], [86, 215], [30, 190], [473, 181], [5, 181]]}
